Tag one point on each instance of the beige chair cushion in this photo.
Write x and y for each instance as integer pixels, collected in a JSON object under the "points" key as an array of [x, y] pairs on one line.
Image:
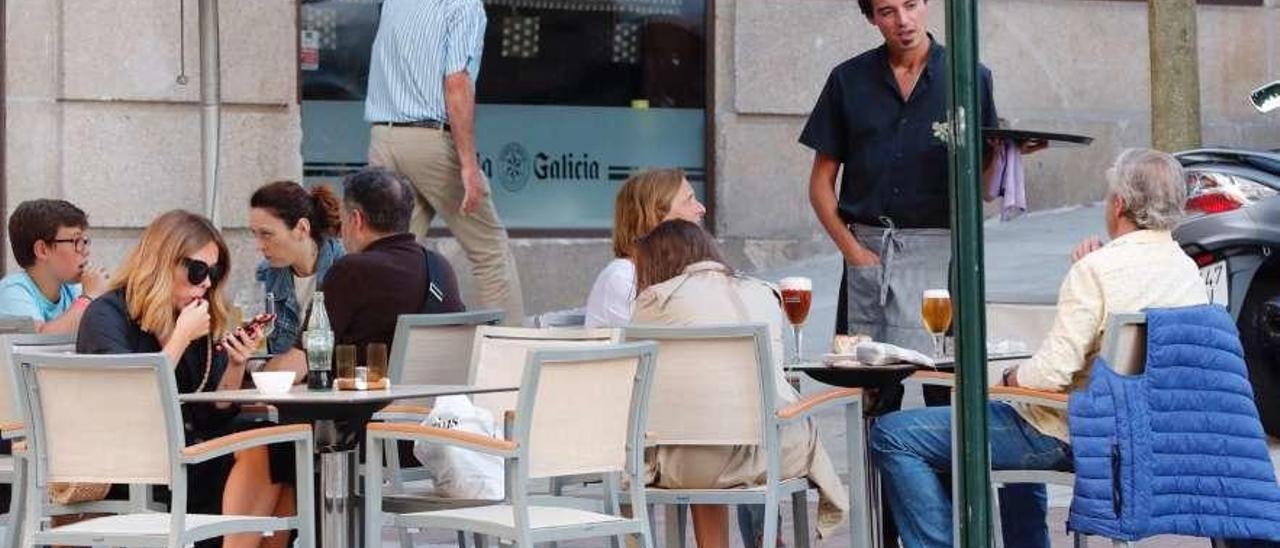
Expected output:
{"points": [[580, 416], [501, 354], [438, 355], [705, 392], [77, 403]]}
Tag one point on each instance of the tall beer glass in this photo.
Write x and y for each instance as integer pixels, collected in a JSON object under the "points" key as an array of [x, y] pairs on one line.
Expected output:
{"points": [[935, 313], [797, 296]]}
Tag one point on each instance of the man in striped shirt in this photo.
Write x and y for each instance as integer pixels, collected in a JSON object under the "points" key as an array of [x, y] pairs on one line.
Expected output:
{"points": [[421, 103]]}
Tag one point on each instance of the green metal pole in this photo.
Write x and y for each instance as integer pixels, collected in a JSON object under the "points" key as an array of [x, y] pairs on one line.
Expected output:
{"points": [[972, 507]]}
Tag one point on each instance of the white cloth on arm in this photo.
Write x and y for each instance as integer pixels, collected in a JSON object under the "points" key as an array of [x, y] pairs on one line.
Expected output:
{"points": [[613, 295]]}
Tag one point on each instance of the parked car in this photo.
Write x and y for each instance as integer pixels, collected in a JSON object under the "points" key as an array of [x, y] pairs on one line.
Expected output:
{"points": [[1232, 231]]}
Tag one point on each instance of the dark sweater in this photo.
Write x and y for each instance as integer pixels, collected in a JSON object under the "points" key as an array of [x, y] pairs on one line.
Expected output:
{"points": [[106, 328], [366, 292]]}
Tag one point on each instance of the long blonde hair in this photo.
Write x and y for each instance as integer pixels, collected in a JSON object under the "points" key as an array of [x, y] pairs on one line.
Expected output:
{"points": [[642, 202], [147, 274]]}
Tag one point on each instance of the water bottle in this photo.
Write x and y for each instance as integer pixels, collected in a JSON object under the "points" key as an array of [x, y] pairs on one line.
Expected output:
{"points": [[318, 340]]}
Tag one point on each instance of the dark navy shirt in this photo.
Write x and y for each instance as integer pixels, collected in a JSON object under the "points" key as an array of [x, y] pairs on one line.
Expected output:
{"points": [[894, 166]]}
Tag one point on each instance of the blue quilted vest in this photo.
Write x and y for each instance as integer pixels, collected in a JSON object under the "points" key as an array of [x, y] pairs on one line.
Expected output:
{"points": [[1178, 449]]}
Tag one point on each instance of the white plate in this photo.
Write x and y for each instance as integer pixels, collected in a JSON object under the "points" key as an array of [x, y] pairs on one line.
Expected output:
{"points": [[840, 360], [1216, 283]]}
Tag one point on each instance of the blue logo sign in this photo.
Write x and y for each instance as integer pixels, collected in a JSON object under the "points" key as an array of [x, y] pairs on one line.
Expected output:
{"points": [[514, 167]]}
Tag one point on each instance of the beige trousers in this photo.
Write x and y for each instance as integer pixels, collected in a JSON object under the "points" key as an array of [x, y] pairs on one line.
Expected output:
{"points": [[428, 158]]}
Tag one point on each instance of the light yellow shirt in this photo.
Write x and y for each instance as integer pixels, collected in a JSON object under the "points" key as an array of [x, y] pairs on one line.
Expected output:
{"points": [[1139, 270]]}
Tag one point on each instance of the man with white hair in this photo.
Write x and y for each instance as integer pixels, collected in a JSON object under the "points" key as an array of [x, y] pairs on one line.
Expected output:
{"points": [[1141, 267]]}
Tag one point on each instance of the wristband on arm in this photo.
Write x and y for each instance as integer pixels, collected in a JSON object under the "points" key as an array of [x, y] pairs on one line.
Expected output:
{"points": [[81, 303]]}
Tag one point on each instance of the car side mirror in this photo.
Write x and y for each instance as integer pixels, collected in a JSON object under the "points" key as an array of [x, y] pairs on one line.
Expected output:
{"points": [[1266, 98]]}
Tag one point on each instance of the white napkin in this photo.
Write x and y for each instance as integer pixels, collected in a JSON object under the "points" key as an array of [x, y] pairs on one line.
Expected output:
{"points": [[875, 353]]}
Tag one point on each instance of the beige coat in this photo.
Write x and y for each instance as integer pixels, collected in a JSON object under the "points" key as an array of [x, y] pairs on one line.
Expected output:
{"points": [[706, 294]]}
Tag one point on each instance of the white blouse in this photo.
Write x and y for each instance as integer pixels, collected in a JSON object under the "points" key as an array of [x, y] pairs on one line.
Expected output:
{"points": [[612, 295]]}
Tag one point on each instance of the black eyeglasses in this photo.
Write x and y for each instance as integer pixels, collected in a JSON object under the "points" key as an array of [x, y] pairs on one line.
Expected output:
{"points": [[79, 244], [198, 271]]}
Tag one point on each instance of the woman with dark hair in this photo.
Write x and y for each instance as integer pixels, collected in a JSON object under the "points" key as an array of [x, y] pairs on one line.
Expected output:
{"points": [[167, 297], [297, 232], [682, 280]]}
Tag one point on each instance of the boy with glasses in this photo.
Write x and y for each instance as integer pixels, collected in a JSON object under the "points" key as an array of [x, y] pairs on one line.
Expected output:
{"points": [[56, 282]]}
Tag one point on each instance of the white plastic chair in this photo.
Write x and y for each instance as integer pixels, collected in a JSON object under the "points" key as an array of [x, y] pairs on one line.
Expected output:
{"points": [[580, 411], [497, 359], [13, 467], [116, 419], [715, 385], [499, 355], [436, 348], [428, 349], [1124, 346]]}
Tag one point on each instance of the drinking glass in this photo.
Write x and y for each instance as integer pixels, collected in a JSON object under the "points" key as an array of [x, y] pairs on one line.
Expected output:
{"points": [[935, 313], [268, 308], [797, 296], [375, 356], [344, 356]]}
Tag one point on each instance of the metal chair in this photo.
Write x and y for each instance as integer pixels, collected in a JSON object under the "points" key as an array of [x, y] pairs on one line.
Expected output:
{"points": [[116, 419], [580, 411], [436, 348], [428, 349], [1124, 349], [13, 467], [497, 358], [999, 478], [16, 325], [499, 355], [1124, 346], [715, 385]]}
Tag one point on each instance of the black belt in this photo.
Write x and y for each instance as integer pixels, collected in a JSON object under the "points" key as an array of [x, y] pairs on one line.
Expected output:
{"points": [[425, 124]]}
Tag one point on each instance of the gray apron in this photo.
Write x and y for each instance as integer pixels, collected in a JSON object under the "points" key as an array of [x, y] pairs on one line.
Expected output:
{"points": [[884, 300]]}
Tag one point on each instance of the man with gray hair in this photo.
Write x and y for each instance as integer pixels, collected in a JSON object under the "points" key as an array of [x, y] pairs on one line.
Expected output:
{"points": [[1141, 267]]}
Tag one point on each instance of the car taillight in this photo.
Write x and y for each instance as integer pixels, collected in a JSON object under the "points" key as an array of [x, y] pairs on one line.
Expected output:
{"points": [[1204, 259], [1215, 202], [1211, 192]]}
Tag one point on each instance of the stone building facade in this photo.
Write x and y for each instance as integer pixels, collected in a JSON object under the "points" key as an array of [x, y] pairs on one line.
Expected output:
{"points": [[94, 113]]}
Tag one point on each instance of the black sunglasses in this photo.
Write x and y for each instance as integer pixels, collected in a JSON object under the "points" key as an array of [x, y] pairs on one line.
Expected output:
{"points": [[198, 271]]}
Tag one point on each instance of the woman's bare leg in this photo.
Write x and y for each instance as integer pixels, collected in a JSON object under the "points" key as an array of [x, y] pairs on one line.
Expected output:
{"points": [[710, 525], [286, 506], [249, 492]]}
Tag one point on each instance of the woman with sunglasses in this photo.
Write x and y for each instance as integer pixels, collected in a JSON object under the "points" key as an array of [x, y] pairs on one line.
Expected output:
{"points": [[167, 297]]}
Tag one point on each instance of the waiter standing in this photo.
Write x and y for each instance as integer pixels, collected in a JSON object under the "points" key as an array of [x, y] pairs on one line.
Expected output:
{"points": [[891, 219]]}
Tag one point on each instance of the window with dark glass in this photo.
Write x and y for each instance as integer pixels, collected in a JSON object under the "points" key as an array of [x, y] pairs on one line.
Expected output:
{"points": [[573, 96]]}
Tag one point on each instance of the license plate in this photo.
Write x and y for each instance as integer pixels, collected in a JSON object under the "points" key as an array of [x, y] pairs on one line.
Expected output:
{"points": [[1216, 283]]}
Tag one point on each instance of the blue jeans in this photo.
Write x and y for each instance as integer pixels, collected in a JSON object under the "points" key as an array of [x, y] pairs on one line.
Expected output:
{"points": [[911, 447]]}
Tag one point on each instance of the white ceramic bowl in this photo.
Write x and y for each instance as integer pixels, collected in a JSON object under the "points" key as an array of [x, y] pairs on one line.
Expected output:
{"points": [[273, 382]]}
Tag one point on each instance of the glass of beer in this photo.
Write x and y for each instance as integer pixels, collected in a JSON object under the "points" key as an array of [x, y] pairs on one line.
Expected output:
{"points": [[797, 296], [935, 313]]}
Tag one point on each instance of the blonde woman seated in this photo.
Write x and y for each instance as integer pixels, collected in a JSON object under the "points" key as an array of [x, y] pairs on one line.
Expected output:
{"points": [[168, 297], [682, 280], [646, 199]]}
